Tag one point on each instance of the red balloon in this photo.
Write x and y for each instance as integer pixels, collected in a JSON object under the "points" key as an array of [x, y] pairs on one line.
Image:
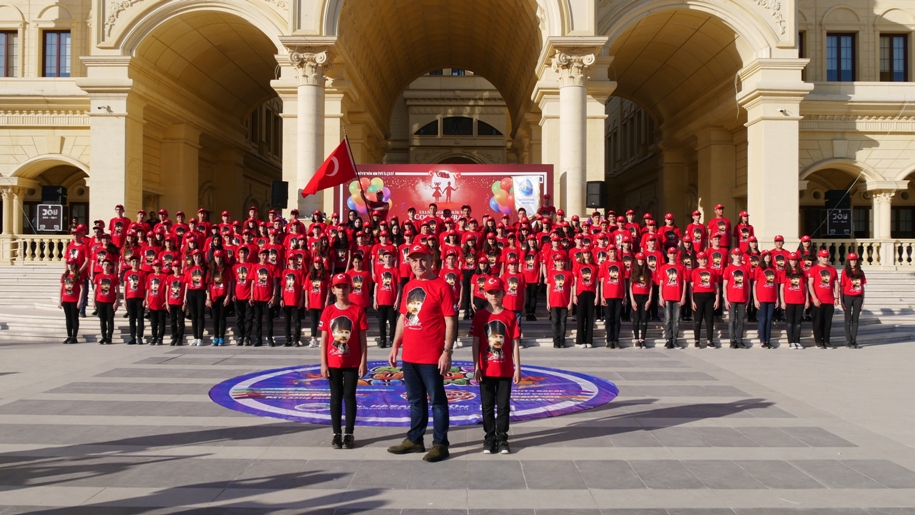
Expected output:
{"points": [[365, 183], [510, 201], [507, 183]]}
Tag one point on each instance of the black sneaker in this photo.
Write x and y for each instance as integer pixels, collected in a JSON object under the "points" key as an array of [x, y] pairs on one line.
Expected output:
{"points": [[406, 447], [348, 441], [489, 447], [504, 448], [337, 442], [133, 341], [439, 452]]}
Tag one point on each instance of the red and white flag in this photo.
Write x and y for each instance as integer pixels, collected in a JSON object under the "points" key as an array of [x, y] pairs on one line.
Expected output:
{"points": [[338, 168]]}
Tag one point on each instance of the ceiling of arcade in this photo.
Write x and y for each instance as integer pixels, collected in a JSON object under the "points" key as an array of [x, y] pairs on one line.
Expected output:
{"points": [[220, 58], [391, 43], [668, 60]]}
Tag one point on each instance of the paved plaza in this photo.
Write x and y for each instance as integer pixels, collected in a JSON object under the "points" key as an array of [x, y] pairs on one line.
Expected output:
{"points": [[118, 429]]}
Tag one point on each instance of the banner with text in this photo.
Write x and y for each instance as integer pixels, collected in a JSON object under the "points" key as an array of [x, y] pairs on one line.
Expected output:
{"points": [[488, 189]]}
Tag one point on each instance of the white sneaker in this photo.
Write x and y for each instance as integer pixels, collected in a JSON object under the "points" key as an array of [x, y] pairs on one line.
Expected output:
{"points": [[198, 342], [579, 346], [457, 343], [587, 345], [313, 344]]}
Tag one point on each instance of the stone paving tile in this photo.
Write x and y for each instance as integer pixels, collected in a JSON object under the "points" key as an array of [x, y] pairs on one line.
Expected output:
{"points": [[770, 437], [637, 511], [495, 475], [551, 475], [684, 391], [609, 474], [885, 472], [678, 437], [817, 437], [665, 475], [801, 511], [621, 437], [723, 437], [778, 474], [666, 376], [169, 373], [133, 388], [702, 511], [392, 474], [451, 477], [722, 475], [834, 474]]}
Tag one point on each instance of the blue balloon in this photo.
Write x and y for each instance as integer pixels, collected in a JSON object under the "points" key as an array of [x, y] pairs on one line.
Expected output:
{"points": [[493, 204], [351, 204]]}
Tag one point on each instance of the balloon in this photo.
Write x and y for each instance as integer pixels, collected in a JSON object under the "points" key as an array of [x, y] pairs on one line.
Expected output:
{"points": [[493, 204], [372, 189], [507, 183], [500, 197], [505, 210], [512, 191], [361, 209], [358, 200], [496, 187], [378, 182], [387, 193], [351, 204], [510, 201], [365, 183]]}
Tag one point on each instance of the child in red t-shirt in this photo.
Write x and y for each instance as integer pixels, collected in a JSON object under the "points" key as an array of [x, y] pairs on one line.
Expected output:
{"points": [[559, 298], [106, 299], [134, 293], [387, 297], [317, 295], [71, 283], [292, 300], [736, 290], [155, 302], [496, 363], [344, 357]]}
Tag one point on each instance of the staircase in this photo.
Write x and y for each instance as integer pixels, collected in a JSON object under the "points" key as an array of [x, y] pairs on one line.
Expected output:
{"points": [[28, 313]]}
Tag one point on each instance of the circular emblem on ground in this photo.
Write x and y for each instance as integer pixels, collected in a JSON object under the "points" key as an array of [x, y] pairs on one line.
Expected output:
{"points": [[300, 394]]}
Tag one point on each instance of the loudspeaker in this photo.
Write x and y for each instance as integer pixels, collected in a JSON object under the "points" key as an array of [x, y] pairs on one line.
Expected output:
{"points": [[596, 194], [279, 194], [53, 195], [838, 199]]}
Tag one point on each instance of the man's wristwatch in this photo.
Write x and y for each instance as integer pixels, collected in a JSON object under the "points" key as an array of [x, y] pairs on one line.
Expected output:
{"points": [[448, 351]]}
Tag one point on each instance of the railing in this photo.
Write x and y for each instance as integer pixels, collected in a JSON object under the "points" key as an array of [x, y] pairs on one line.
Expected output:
{"points": [[30, 250], [882, 253]]}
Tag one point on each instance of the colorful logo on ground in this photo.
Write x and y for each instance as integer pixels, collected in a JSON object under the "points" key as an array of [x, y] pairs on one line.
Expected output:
{"points": [[300, 394]]}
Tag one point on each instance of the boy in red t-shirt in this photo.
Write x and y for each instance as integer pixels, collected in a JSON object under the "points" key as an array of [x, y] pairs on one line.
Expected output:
{"points": [[559, 298], [736, 289], [177, 287], [155, 302], [362, 282], [134, 293], [515, 289], [106, 299], [387, 297], [496, 363], [824, 291], [344, 356], [292, 301], [671, 279]]}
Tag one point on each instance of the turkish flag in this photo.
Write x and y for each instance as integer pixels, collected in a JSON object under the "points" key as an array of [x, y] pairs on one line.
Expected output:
{"points": [[338, 168]]}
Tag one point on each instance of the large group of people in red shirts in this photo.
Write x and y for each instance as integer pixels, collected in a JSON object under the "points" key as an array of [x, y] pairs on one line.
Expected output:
{"points": [[607, 267]]}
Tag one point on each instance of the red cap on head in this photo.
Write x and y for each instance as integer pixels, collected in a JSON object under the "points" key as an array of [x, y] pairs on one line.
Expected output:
{"points": [[719, 206], [341, 280], [744, 213], [482, 259], [823, 253], [163, 212], [851, 256], [575, 218], [669, 216], [225, 213], [805, 238], [630, 212], [179, 213], [201, 210], [219, 253], [560, 212], [512, 261], [701, 255], [419, 249], [646, 216], [752, 238], [697, 213], [671, 250], [494, 284], [687, 239], [736, 252], [640, 255], [779, 237]]}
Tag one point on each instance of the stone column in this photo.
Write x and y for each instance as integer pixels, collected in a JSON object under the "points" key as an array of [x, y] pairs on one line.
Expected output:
{"points": [[717, 168], [882, 202], [180, 169], [674, 185], [17, 197], [772, 93], [571, 65], [309, 67], [7, 196]]}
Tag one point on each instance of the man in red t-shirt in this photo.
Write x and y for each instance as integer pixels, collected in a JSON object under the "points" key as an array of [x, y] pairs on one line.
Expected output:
{"points": [[134, 294], [722, 225], [426, 329], [736, 288], [823, 287]]}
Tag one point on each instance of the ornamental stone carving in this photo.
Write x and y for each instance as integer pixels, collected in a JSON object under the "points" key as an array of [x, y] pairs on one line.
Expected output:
{"points": [[775, 10], [572, 65], [310, 66]]}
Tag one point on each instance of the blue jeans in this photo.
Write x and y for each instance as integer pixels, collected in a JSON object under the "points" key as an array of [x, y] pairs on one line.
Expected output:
{"points": [[766, 310], [421, 380], [84, 297]]}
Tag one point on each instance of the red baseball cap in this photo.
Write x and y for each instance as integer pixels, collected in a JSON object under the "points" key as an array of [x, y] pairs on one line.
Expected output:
{"points": [[697, 213], [823, 253], [494, 284], [640, 255], [851, 256], [701, 255], [575, 218], [163, 212], [219, 253], [671, 250], [646, 216], [736, 251], [805, 238], [512, 260], [560, 212], [687, 239], [225, 213], [752, 238], [779, 237], [630, 212], [794, 255], [744, 213], [420, 250], [669, 216], [342, 279], [719, 206]]}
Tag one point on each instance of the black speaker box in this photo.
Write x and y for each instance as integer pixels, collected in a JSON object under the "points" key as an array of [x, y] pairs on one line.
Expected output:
{"points": [[53, 195], [279, 194], [596, 194]]}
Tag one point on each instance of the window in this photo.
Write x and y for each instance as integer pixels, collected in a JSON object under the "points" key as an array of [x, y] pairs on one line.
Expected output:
{"points": [[437, 72], [802, 51], [57, 53], [455, 72], [484, 129], [430, 129], [457, 126], [254, 127], [9, 52], [893, 58], [840, 57], [277, 135]]}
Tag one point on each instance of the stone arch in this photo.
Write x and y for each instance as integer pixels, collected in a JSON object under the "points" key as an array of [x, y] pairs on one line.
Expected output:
{"points": [[452, 158], [846, 165], [905, 172], [755, 30], [10, 14], [34, 167], [55, 12], [263, 18], [840, 15]]}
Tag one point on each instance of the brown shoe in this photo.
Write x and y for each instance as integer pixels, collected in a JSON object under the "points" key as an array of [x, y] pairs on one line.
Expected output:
{"points": [[438, 453], [406, 447]]}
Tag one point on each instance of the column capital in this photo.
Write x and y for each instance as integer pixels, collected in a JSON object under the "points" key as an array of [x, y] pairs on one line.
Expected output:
{"points": [[572, 64], [875, 188], [310, 65]]}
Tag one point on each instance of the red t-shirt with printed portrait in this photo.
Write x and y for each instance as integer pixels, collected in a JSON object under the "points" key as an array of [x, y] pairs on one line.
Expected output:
{"points": [[243, 277], [219, 283], [387, 280], [779, 258], [824, 282], [514, 291], [176, 287], [344, 335], [361, 295], [795, 288], [642, 287], [263, 282], [704, 280], [453, 277], [765, 284], [291, 281], [71, 287], [586, 277], [853, 286], [738, 278], [196, 278], [613, 279], [134, 284], [106, 287], [156, 286], [497, 333], [316, 289], [424, 306], [672, 280], [722, 225], [530, 267], [559, 287], [717, 259]]}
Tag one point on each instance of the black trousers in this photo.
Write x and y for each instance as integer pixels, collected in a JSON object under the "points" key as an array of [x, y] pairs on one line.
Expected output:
{"points": [[466, 290], [558, 317], [177, 315], [244, 318], [686, 311], [135, 311], [479, 304], [314, 316], [822, 322], [196, 304], [219, 317], [794, 315], [585, 333], [852, 305], [106, 319], [653, 306], [640, 317], [705, 310], [292, 320], [157, 323], [495, 395], [387, 319], [343, 392], [530, 307], [261, 312], [72, 315], [612, 313]]}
